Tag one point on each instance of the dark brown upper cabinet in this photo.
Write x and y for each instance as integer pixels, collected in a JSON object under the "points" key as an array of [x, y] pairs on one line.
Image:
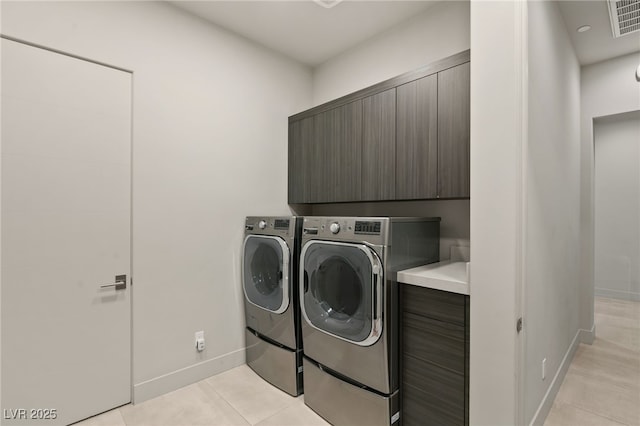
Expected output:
{"points": [[417, 139], [301, 171], [325, 156], [432, 158], [379, 147], [454, 132], [339, 154], [405, 138]]}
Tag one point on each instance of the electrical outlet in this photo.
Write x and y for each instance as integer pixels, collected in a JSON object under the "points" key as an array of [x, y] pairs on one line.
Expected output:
{"points": [[544, 368], [200, 341]]}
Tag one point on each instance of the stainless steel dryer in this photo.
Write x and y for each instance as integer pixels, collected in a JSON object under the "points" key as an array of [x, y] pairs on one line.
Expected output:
{"points": [[349, 305], [270, 254]]}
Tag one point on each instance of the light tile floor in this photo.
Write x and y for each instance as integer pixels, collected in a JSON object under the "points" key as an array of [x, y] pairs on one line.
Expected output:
{"points": [[602, 387], [238, 397]]}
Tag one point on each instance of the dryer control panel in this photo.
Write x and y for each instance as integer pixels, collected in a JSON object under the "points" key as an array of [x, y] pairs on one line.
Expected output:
{"points": [[370, 229], [269, 225]]}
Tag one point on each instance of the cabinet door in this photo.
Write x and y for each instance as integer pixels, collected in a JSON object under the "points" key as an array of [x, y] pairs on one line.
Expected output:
{"points": [[437, 342], [302, 170], [434, 354], [453, 132], [417, 139], [431, 395], [435, 304], [338, 154], [379, 146]]}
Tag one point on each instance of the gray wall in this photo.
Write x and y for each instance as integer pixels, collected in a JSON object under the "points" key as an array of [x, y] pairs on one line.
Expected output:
{"points": [[606, 88], [209, 147], [617, 206], [552, 189]]}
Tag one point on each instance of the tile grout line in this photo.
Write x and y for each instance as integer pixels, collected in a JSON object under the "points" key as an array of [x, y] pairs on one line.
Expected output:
{"points": [[584, 372], [274, 414], [293, 401], [596, 414], [124, 422], [577, 377], [206, 382]]}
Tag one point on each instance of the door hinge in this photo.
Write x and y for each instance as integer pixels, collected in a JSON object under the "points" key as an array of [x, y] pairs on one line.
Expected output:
{"points": [[519, 325]]}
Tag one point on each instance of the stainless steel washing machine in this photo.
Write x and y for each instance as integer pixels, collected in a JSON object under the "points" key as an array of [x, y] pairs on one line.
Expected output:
{"points": [[349, 305], [270, 254]]}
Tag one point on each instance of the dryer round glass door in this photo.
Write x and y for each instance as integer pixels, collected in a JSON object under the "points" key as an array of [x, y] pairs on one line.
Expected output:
{"points": [[265, 272], [341, 290]]}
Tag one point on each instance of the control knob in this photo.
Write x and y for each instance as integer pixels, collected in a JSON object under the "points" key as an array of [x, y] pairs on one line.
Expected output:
{"points": [[334, 227], [262, 224]]}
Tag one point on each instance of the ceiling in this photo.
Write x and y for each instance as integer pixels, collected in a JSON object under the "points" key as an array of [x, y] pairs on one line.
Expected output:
{"points": [[598, 43], [311, 34], [304, 30]]}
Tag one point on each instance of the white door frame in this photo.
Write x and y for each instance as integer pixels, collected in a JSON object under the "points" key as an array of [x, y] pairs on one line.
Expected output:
{"points": [[522, 92]]}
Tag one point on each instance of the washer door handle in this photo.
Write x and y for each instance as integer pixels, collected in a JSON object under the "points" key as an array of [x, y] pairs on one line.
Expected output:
{"points": [[378, 285]]}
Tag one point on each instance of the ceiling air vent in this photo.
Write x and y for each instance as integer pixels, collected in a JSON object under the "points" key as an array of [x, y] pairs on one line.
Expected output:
{"points": [[328, 4], [625, 16]]}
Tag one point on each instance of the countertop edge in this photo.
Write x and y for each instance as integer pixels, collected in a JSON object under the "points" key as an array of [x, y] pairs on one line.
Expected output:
{"points": [[421, 279]]}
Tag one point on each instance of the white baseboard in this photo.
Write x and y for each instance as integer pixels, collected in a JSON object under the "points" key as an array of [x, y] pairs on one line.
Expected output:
{"points": [[587, 336], [617, 294], [186, 376], [582, 336]]}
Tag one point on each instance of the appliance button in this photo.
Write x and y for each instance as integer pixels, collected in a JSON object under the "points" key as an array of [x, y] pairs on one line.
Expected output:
{"points": [[262, 224], [334, 227]]}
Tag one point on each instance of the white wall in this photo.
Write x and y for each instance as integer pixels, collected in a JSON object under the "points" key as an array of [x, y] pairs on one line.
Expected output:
{"points": [[497, 76], [440, 31], [552, 230], [606, 88], [617, 206], [209, 147]]}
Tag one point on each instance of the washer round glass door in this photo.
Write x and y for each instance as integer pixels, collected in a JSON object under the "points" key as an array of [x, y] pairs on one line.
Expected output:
{"points": [[265, 272], [341, 292]]}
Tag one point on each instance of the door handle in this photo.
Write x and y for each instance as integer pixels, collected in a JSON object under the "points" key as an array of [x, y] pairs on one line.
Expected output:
{"points": [[378, 295], [119, 284]]}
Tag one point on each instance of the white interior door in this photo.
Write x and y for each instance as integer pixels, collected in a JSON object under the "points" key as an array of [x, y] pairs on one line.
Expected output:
{"points": [[617, 205], [66, 210]]}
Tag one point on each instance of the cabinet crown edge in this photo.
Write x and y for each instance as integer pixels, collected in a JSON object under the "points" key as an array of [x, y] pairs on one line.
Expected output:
{"points": [[431, 68]]}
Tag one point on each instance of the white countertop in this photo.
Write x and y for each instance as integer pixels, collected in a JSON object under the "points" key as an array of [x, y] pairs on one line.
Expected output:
{"points": [[447, 276]]}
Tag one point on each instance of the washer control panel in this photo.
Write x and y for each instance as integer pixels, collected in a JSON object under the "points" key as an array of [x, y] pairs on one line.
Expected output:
{"points": [[369, 229], [268, 225]]}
